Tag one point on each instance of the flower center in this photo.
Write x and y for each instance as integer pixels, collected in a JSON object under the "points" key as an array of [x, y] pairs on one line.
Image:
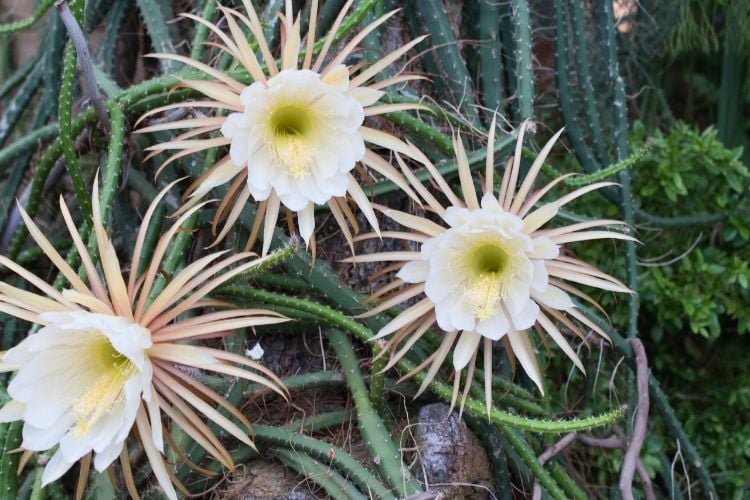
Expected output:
{"points": [[491, 271], [291, 120], [290, 125], [489, 259], [107, 389]]}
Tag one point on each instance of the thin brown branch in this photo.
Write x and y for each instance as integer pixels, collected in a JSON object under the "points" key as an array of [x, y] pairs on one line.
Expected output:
{"points": [[648, 487], [609, 443], [632, 454], [84, 60], [548, 454], [556, 448]]}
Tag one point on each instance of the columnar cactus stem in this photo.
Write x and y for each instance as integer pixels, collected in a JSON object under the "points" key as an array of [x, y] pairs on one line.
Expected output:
{"points": [[584, 80], [156, 15], [374, 432], [66, 112], [331, 481], [16, 106], [490, 56], [326, 453], [447, 57], [521, 19]]}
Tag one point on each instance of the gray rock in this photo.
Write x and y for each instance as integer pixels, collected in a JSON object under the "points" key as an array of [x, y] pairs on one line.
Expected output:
{"points": [[452, 459]]}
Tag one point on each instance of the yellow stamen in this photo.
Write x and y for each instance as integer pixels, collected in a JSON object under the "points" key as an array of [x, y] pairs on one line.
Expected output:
{"points": [[298, 165], [291, 125], [101, 396], [490, 273], [484, 294]]}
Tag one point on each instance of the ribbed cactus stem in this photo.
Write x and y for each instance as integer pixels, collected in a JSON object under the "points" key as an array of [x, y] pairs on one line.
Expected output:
{"points": [[201, 30], [17, 105], [585, 83], [379, 443], [521, 19], [447, 57], [22, 24], [326, 453], [19, 75], [321, 421], [606, 21], [157, 15], [490, 56], [67, 138], [515, 439], [10, 437], [572, 129], [57, 36], [312, 470]]}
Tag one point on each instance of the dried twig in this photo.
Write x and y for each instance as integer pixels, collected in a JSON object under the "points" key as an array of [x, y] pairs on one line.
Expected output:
{"points": [[610, 442], [648, 487], [84, 60], [548, 454], [630, 461], [557, 447]]}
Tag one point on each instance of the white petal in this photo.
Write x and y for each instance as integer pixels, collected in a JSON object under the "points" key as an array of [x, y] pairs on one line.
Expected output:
{"points": [[365, 95], [36, 439], [541, 277], [133, 392], [438, 285], [518, 295], [56, 467], [306, 221], [489, 202], [12, 411], [544, 248], [526, 317], [465, 349], [338, 76], [455, 216], [494, 327], [462, 316], [414, 272], [104, 458], [554, 298]]}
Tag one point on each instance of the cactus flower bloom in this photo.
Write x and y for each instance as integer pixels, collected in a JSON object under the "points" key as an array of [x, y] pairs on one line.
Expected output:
{"points": [[111, 355], [296, 132], [491, 270]]}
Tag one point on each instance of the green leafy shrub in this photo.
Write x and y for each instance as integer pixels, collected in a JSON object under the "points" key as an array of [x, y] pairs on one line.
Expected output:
{"points": [[703, 281]]}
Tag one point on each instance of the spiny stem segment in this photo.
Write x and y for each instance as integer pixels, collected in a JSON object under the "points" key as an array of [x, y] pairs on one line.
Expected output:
{"points": [[376, 436], [67, 136], [474, 407], [324, 452]]}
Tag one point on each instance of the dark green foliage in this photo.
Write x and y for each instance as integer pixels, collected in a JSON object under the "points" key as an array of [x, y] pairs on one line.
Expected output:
{"points": [[691, 172]]}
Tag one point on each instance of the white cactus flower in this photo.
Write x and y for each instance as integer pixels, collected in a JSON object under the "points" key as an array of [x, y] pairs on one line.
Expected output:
{"points": [[490, 271]]}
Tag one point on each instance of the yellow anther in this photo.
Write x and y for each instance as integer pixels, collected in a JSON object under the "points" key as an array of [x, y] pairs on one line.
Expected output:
{"points": [[298, 164], [484, 294], [101, 396], [292, 153]]}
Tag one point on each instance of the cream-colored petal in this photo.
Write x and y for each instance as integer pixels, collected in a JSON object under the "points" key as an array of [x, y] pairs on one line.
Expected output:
{"points": [[466, 348], [525, 355]]}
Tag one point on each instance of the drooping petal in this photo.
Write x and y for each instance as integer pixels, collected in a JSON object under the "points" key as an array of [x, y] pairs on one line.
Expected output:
{"points": [[465, 349]]}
